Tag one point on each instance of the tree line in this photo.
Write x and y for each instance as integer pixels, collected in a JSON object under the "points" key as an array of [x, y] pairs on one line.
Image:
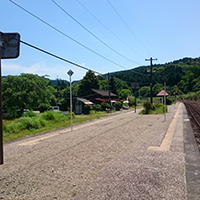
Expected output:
{"points": [[33, 92]]}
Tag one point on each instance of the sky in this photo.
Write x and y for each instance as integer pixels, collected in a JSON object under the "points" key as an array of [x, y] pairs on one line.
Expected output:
{"points": [[101, 35]]}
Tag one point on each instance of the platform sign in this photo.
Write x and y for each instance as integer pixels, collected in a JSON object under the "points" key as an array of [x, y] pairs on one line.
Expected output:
{"points": [[135, 85], [9, 45], [9, 48]]}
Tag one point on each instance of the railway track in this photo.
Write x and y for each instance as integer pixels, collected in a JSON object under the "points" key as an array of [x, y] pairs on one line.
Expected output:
{"points": [[193, 110]]}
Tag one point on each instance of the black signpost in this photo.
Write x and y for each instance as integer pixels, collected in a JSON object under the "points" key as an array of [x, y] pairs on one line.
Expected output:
{"points": [[9, 48], [135, 86]]}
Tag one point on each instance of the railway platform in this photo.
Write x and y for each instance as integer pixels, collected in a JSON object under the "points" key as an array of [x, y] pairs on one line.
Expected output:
{"points": [[125, 156], [168, 170]]}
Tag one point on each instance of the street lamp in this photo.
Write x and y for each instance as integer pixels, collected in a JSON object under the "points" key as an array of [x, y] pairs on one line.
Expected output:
{"points": [[70, 73]]}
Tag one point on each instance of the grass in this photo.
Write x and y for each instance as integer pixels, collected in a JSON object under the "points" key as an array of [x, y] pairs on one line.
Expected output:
{"points": [[157, 108], [32, 124]]}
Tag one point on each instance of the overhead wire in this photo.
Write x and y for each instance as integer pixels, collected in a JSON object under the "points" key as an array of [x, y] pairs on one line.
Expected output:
{"points": [[61, 8], [108, 28], [60, 58], [64, 34], [69, 38], [127, 26], [55, 56]]}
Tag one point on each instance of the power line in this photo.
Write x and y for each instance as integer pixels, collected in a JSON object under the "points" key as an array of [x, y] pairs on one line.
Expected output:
{"points": [[67, 35], [92, 33], [108, 29], [53, 55], [58, 57], [127, 26]]}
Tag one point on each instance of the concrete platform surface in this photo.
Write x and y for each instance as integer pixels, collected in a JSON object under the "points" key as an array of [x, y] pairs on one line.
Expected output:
{"points": [[126, 156]]}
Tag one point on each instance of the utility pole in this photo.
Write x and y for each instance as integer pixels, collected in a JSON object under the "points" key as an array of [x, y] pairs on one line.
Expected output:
{"points": [[151, 76], [1, 117], [109, 99]]}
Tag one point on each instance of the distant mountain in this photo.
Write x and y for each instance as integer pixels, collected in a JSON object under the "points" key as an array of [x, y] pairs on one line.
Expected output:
{"points": [[179, 72]]}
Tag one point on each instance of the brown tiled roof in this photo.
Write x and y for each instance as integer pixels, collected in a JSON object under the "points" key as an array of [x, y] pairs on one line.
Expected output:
{"points": [[103, 92]]}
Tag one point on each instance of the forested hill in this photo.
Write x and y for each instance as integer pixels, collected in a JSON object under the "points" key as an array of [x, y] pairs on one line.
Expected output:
{"points": [[185, 73]]}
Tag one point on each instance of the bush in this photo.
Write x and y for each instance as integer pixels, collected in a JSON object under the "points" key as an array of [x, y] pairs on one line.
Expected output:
{"points": [[105, 106], [43, 107], [92, 112], [156, 105], [147, 107], [155, 108], [87, 109], [118, 105], [48, 115], [5, 128], [131, 100], [29, 114], [169, 101], [27, 123], [97, 107]]}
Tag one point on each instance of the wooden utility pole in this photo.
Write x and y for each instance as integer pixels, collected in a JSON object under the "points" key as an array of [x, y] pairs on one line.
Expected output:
{"points": [[1, 117], [151, 76], [109, 98]]}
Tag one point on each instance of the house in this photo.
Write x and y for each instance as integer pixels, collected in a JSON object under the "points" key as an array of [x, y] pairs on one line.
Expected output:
{"points": [[94, 96], [98, 96]]}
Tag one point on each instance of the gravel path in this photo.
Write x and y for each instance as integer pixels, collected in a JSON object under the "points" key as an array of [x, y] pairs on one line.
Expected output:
{"points": [[103, 159]]}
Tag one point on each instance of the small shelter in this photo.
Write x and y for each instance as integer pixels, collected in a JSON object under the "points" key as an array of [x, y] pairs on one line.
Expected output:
{"points": [[80, 103], [162, 93]]}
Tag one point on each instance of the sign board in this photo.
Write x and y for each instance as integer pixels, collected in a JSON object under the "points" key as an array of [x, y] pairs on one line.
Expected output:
{"points": [[135, 85], [9, 45], [70, 72]]}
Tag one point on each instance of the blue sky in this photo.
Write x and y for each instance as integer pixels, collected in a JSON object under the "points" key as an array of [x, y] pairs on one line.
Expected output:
{"points": [[164, 29]]}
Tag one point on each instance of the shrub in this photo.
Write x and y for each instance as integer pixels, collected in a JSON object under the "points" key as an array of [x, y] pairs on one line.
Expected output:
{"points": [[68, 116], [97, 107], [92, 112], [118, 105], [131, 100], [156, 105], [169, 101], [48, 115], [147, 107], [43, 107], [5, 128], [155, 108], [29, 114], [28, 123], [105, 106], [87, 109]]}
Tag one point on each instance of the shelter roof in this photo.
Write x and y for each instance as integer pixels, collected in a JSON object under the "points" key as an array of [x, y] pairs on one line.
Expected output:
{"points": [[85, 101], [162, 93]]}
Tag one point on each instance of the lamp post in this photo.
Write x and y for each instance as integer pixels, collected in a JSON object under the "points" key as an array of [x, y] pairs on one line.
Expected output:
{"points": [[70, 73]]}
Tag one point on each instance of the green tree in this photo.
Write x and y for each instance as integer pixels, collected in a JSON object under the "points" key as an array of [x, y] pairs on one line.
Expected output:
{"points": [[123, 94], [144, 91], [103, 84], [131, 100], [26, 91], [89, 81], [113, 85], [157, 88]]}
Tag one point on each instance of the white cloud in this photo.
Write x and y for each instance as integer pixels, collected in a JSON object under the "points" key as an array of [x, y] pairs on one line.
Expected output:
{"points": [[42, 68]]}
